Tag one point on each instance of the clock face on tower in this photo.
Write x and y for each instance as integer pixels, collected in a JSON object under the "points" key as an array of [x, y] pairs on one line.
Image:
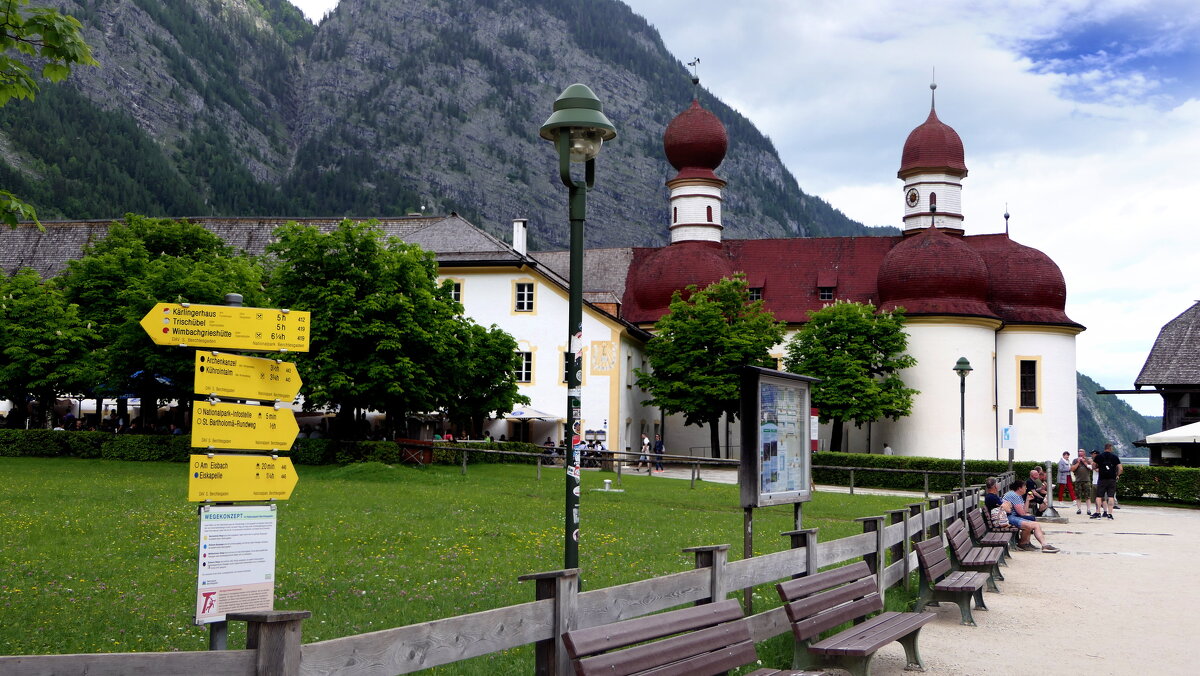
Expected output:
{"points": [[912, 197]]}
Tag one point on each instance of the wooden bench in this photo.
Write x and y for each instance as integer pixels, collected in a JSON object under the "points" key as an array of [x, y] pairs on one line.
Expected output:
{"points": [[701, 640], [969, 557], [819, 602], [940, 583], [989, 538]]}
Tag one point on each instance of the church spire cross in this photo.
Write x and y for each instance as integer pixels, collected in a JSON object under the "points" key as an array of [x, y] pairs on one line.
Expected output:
{"points": [[695, 66]]}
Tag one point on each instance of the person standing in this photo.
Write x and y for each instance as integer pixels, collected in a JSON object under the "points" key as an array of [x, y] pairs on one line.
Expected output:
{"points": [[644, 456], [1108, 467], [1081, 472], [1064, 480], [658, 453]]}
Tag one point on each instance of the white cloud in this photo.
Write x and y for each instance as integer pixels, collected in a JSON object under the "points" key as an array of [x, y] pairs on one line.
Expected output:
{"points": [[1092, 156]]}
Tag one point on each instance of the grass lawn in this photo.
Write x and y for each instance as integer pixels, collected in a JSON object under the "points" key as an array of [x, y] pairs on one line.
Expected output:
{"points": [[100, 556]]}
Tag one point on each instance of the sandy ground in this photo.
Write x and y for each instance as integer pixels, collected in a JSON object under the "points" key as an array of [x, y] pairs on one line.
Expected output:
{"points": [[1122, 597]]}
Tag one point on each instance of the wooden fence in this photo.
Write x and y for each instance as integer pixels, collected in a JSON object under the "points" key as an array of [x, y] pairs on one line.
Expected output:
{"points": [[274, 645]]}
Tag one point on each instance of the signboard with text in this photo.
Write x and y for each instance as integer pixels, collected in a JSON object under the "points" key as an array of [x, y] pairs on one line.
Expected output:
{"points": [[227, 327], [232, 427], [236, 570], [236, 376], [240, 478], [776, 464]]}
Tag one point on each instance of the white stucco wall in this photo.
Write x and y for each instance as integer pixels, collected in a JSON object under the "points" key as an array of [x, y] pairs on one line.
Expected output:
{"points": [[1045, 431], [488, 297], [949, 200]]}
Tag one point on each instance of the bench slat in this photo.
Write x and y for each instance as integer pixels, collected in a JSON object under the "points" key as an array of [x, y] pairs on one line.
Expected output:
{"points": [[808, 628], [712, 663], [800, 587], [873, 634], [728, 643], [584, 642]]}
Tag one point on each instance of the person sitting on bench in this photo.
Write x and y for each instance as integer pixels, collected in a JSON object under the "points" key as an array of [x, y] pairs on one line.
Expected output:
{"points": [[1036, 492], [1014, 504]]}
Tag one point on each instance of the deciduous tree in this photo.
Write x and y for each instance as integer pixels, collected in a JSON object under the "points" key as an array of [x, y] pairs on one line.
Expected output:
{"points": [[858, 354], [481, 380], [699, 347]]}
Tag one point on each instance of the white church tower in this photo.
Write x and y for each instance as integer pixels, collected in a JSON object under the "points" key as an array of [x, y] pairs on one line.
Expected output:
{"points": [[932, 169]]}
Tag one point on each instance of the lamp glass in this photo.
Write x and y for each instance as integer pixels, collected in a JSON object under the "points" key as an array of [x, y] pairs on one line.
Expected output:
{"points": [[585, 143]]}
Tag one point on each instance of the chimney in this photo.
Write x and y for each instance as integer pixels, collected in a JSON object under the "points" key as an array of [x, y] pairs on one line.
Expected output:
{"points": [[520, 230]]}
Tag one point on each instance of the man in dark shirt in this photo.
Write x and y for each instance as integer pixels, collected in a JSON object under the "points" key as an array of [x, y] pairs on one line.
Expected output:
{"points": [[991, 499], [1108, 468], [1035, 492]]}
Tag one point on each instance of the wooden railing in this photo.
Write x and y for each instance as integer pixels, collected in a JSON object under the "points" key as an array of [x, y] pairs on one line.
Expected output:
{"points": [[274, 638]]}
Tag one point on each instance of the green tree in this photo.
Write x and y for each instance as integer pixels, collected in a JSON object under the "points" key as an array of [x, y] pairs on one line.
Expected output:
{"points": [[858, 354], [41, 34], [382, 327], [40, 338], [699, 347], [143, 261], [482, 378]]}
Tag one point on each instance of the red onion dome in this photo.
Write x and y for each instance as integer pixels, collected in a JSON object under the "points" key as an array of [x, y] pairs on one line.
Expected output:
{"points": [[934, 274], [933, 145], [695, 142], [674, 267], [1024, 284]]}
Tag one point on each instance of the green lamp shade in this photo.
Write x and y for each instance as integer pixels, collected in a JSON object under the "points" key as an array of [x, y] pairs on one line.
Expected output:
{"points": [[963, 367], [578, 112]]}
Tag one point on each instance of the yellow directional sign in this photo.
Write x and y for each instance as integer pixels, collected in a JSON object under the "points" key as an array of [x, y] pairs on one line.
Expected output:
{"points": [[237, 377], [231, 328], [236, 427], [234, 478]]}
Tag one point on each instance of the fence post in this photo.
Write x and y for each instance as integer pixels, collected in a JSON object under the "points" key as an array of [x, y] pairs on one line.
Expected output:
{"points": [[274, 635], [851, 482], [539, 463], [464, 469], [805, 538], [935, 529], [713, 557], [926, 485], [550, 657], [875, 560], [900, 549]]}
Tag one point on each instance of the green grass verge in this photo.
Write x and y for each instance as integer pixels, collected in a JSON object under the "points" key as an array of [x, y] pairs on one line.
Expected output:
{"points": [[100, 555]]}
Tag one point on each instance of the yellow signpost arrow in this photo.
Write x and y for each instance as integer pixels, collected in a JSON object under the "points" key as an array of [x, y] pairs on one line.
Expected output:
{"points": [[237, 377], [228, 327], [233, 478], [236, 427]]}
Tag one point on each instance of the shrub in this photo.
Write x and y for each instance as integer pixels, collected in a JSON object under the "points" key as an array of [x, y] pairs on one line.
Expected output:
{"points": [[977, 470]]}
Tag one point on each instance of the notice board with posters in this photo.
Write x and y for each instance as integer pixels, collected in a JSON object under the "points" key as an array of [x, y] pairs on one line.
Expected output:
{"points": [[776, 465], [237, 561]]}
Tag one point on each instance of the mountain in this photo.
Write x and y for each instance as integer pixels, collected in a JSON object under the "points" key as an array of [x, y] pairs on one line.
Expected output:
{"points": [[1104, 418], [242, 107]]}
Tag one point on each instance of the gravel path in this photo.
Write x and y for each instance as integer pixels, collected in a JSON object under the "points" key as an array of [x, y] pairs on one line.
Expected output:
{"points": [[1120, 598]]}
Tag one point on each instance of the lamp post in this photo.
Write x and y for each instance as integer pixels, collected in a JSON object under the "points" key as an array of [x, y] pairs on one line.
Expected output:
{"points": [[578, 128], [963, 367]]}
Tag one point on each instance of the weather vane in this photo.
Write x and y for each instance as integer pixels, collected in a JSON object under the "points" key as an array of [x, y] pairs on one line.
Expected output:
{"points": [[695, 64]]}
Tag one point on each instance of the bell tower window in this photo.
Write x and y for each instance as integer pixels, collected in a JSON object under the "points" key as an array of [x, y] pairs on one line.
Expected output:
{"points": [[709, 208]]}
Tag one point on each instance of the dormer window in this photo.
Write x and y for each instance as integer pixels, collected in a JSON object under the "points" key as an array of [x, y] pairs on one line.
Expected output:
{"points": [[756, 293], [827, 281], [825, 293]]}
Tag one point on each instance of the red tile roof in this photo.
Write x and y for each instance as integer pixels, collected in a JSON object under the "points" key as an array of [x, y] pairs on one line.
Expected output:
{"points": [[933, 145], [695, 142]]}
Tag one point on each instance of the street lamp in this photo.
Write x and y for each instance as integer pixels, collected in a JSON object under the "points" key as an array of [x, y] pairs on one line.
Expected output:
{"points": [[578, 129], [963, 367]]}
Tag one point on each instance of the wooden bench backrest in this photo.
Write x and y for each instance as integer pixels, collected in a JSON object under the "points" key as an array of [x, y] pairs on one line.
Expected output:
{"points": [[931, 554], [959, 539], [978, 525], [707, 639], [817, 602]]}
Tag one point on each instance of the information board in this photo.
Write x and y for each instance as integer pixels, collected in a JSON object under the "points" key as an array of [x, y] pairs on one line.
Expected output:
{"points": [[236, 552], [776, 466]]}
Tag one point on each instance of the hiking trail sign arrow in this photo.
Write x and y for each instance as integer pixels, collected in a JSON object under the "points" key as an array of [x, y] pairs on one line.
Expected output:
{"points": [[234, 376], [234, 478], [228, 327], [235, 427]]}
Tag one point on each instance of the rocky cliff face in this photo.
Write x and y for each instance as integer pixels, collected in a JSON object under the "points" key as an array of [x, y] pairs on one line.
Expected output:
{"points": [[390, 106]]}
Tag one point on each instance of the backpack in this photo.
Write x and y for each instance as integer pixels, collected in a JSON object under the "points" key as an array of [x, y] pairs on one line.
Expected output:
{"points": [[999, 517]]}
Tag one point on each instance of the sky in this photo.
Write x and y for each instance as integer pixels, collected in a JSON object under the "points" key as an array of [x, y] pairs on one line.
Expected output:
{"points": [[1080, 117]]}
